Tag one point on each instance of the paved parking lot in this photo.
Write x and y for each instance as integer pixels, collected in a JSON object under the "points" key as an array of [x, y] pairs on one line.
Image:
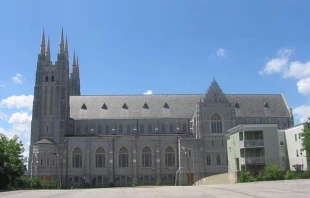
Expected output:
{"points": [[292, 188]]}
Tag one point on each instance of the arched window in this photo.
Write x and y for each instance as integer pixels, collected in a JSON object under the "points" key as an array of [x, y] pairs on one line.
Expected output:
{"points": [[123, 157], [141, 128], [52, 78], [146, 157], [163, 128], [208, 160], [120, 128], [107, 129], [77, 158], [171, 128], [77, 129], [100, 158], [150, 129], [218, 159], [216, 123], [46, 78], [184, 128], [86, 129], [99, 128], [169, 157], [128, 129]]}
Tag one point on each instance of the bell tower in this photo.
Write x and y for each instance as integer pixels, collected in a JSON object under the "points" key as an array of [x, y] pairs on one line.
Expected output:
{"points": [[50, 113]]}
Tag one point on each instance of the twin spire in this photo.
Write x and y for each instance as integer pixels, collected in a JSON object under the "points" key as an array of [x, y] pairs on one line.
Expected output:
{"points": [[62, 49]]}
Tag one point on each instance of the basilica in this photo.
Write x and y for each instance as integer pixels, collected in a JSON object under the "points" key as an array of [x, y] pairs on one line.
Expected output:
{"points": [[122, 140]]}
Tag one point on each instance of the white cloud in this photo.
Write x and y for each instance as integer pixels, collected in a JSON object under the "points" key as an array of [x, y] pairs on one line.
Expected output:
{"points": [[298, 70], [221, 52], [20, 126], [18, 102], [292, 69], [148, 92], [302, 112], [278, 64], [304, 86], [18, 78]]}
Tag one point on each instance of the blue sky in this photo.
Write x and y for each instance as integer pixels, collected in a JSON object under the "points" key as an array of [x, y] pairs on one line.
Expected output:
{"points": [[164, 46]]}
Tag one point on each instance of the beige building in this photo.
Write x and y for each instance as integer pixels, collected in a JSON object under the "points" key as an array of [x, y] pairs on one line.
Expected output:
{"points": [[297, 156], [145, 139]]}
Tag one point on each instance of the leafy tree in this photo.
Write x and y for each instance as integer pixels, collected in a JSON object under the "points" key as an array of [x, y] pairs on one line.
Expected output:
{"points": [[11, 161], [306, 138]]}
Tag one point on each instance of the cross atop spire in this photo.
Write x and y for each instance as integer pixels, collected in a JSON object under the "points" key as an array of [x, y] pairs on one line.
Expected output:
{"points": [[42, 45]]}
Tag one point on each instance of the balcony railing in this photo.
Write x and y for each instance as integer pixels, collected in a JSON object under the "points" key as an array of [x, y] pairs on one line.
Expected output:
{"points": [[251, 143], [252, 160]]}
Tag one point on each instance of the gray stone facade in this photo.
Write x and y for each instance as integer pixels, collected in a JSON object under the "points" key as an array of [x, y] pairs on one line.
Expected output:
{"points": [[134, 139]]}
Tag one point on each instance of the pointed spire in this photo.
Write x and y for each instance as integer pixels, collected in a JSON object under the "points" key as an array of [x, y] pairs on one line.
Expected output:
{"points": [[61, 49], [74, 61], [48, 50], [42, 45], [66, 49], [77, 60]]}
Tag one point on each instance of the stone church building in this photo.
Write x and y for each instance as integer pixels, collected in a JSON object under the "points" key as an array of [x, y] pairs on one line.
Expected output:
{"points": [[134, 139]]}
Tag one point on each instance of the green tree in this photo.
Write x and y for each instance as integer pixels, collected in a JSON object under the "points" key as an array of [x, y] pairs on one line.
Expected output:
{"points": [[306, 138], [11, 161]]}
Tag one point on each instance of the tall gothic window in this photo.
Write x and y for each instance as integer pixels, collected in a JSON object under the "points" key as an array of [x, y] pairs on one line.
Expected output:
{"points": [[163, 128], [77, 129], [218, 159], [107, 129], [120, 128], [77, 158], [128, 129], [184, 128], [169, 157], [208, 160], [141, 128], [216, 123], [146, 157], [99, 128], [150, 128], [123, 157], [171, 128], [100, 158]]}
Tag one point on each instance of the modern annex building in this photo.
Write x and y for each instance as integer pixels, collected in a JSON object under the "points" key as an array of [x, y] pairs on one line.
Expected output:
{"points": [[143, 139]]}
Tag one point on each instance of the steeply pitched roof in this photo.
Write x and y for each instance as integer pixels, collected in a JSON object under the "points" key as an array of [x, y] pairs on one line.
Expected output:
{"points": [[180, 106], [254, 105], [44, 141]]}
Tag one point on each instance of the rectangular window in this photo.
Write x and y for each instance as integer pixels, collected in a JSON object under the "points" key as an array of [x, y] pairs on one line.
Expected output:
{"points": [[295, 137], [297, 154], [299, 135]]}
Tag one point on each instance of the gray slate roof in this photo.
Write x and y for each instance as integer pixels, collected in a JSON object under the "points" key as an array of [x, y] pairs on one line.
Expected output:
{"points": [[252, 105], [180, 106]]}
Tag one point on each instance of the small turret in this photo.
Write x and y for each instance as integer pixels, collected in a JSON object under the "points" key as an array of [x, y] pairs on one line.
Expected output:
{"points": [[48, 50]]}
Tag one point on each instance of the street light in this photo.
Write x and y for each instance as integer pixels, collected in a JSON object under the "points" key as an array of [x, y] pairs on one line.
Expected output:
{"points": [[193, 161], [57, 159]]}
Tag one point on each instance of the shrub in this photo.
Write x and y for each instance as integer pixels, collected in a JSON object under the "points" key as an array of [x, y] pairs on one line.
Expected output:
{"points": [[272, 172], [289, 175], [134, 184], [158, 183], [246, 177]]}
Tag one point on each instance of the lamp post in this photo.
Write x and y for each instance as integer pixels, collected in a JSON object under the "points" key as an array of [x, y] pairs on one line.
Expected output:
{"points": [[193, 161], [57, 161]]}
